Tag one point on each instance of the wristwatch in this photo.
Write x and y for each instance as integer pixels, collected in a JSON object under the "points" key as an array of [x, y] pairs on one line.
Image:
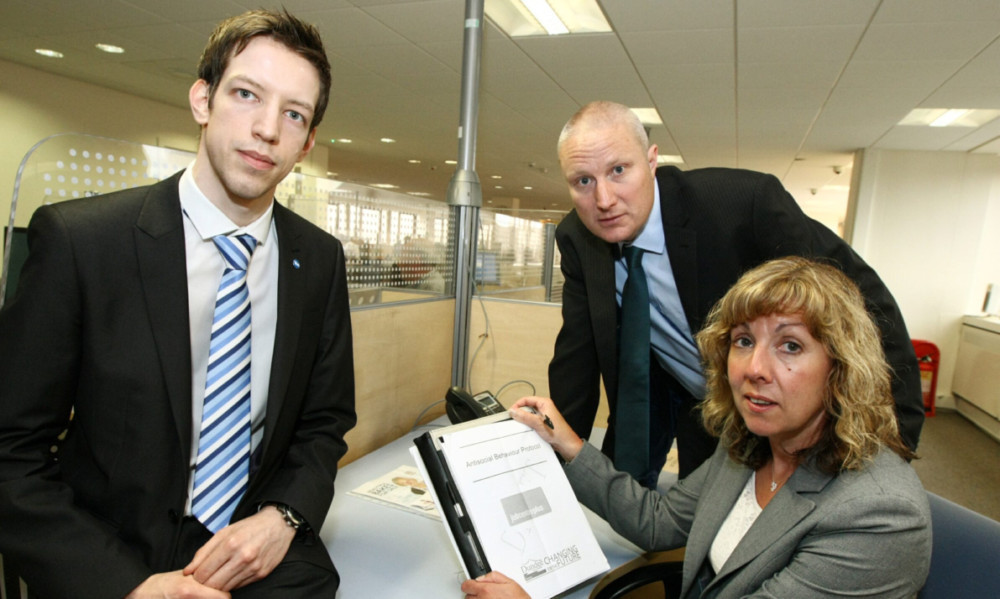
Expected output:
{"points": [[292, 518]]}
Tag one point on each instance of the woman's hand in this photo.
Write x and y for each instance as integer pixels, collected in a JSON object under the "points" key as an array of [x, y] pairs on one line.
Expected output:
{"points": [[493, 586], [549, 424]]}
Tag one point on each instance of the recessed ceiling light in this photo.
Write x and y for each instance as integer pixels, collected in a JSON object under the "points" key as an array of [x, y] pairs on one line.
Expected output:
{"points": [[48, 53], [453, 162], [110, 48], [385, 186], [340, 141], [495, 177], [413, 161], [547, 17], [528, 187], [420, 194], [949, 117], [388, 140], [498, 187], [648, 116], [520, 18], [669, 159]]}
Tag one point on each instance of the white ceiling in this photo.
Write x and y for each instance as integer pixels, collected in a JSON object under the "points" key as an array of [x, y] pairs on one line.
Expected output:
{"points": [[789, 87]]}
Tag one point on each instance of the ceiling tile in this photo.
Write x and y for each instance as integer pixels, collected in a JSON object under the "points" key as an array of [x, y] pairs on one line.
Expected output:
{"points": [[948, 40], [798, 44], [656, 15], [798, 13]]}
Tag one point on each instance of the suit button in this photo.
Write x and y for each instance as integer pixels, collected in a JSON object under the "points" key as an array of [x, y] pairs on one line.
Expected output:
{"points": [[172, 514]]}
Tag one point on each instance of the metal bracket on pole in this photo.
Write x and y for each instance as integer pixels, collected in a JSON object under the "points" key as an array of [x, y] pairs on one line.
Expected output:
{"points": [[465, 189]]}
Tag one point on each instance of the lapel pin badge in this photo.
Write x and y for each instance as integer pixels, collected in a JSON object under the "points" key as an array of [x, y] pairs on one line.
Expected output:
{"points": [[296, 264]]}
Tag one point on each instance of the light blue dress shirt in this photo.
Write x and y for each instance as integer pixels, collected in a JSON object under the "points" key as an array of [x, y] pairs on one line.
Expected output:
{"points": [[670, 335]]}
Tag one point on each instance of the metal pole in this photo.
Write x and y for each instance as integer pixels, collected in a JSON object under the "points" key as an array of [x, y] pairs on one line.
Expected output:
{"points": [[465, 192], [549, 259]]}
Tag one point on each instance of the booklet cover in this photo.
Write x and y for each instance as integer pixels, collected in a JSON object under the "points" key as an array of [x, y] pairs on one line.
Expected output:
{"points": [[517, 505], [403, 488]]}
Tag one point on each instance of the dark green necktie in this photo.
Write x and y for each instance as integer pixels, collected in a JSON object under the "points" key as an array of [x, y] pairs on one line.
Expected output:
{"points": [[632, 411]]}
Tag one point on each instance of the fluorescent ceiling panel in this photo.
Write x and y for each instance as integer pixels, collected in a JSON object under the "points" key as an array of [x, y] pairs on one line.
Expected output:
{"points": [[949, 117], [523, 18]]}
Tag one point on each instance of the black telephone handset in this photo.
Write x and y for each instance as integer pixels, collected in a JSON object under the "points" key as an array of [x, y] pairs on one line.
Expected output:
{"points": [[463, 406]]}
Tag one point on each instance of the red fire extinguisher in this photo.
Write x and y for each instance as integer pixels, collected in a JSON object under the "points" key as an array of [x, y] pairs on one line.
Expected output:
{"points": [[928, 357]]}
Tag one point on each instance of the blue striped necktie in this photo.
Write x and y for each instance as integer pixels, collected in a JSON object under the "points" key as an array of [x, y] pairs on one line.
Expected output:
{"points": [[223, 466], [632, 411]]}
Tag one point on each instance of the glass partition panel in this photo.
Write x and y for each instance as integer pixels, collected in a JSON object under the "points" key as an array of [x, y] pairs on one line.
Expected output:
{"points": [[511, 259], [397, 246]]}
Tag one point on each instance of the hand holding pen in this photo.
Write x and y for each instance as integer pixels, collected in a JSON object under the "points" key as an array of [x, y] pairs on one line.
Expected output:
{"points": [[541, 414]]}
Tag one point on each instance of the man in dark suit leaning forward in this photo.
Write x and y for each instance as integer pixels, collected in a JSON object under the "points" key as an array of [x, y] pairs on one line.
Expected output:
{"points": [[199, 333], [694, 233]]}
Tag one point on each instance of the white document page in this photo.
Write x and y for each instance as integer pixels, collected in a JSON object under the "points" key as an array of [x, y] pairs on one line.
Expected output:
{"points": [[522, 506]]}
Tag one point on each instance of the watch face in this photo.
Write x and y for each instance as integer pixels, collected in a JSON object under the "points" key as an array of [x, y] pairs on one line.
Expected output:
{"points": [[291, 517]]}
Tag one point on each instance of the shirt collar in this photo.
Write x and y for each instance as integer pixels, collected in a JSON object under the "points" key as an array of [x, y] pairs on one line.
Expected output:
{"points": [[209, 221]]}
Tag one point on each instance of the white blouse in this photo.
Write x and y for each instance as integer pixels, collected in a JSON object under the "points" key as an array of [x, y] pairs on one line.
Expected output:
{"points": [[736, 524]]}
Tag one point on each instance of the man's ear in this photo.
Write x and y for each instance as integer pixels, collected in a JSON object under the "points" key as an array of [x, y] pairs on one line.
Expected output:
{"points": [[310, 142], [198, 97], [652, 156]]}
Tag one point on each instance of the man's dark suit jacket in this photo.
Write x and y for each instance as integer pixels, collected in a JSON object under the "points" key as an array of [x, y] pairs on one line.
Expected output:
{"points": [[99, 326], [718, 223]]}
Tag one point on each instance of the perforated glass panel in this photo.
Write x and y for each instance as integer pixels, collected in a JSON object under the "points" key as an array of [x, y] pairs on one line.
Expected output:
{"points": [[396, 245]]}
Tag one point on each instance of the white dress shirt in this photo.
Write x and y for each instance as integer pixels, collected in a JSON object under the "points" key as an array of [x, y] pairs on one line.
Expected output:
{"points": [[205, 265]]}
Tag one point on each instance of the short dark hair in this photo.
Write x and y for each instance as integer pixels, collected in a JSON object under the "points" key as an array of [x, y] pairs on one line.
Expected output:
{"points": [[232, 36]]}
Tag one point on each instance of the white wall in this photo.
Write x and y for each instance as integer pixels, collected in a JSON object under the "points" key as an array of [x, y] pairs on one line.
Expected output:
{"points": [[35, 104], [929, 224]]}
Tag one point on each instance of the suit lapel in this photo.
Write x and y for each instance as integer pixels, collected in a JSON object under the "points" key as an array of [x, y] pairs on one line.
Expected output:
{"points": [[597, 259], [292, 267], [783, 513], [682, 242], [159, 243], [727, 487]]}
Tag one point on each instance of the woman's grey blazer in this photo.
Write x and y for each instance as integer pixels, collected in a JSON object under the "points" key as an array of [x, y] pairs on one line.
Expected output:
{"points": [[862, 533]]}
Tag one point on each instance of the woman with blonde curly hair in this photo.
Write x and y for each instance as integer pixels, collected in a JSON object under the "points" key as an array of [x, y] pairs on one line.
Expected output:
{"points": [[858, 410], [809, 493]]}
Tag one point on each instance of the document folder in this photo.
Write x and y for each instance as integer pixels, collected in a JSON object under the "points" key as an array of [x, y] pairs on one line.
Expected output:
{"points": [[507, 505], [449, 502]]}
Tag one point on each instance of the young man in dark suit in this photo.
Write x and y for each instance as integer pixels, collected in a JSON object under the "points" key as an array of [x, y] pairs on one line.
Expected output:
{"points": [[698, 231], [202, 441]]}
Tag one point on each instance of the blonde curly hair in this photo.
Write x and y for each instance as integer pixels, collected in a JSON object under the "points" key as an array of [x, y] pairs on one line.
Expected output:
{"points": [[859, 405]]}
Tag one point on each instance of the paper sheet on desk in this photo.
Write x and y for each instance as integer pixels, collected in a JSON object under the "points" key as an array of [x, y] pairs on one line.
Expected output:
{"points": [[403, 488], [523, 508]]}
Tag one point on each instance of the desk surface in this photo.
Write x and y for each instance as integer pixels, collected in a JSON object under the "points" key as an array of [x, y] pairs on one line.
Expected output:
{"points": [[381, 551]]}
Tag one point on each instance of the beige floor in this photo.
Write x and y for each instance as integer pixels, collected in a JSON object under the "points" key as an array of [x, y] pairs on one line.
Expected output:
{"points": [[960, 462]]}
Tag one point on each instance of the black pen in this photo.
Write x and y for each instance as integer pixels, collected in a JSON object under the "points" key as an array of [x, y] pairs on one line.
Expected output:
{"points": [[548, 422]]}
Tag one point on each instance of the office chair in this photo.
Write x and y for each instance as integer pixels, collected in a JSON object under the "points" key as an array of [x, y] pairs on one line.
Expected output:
{"points": [[964, 563], [964, 553], [655, 575], [11, 585]]}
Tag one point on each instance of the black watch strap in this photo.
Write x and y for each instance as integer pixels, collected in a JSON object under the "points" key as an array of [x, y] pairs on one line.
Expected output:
{"points": [[292, 518]]}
